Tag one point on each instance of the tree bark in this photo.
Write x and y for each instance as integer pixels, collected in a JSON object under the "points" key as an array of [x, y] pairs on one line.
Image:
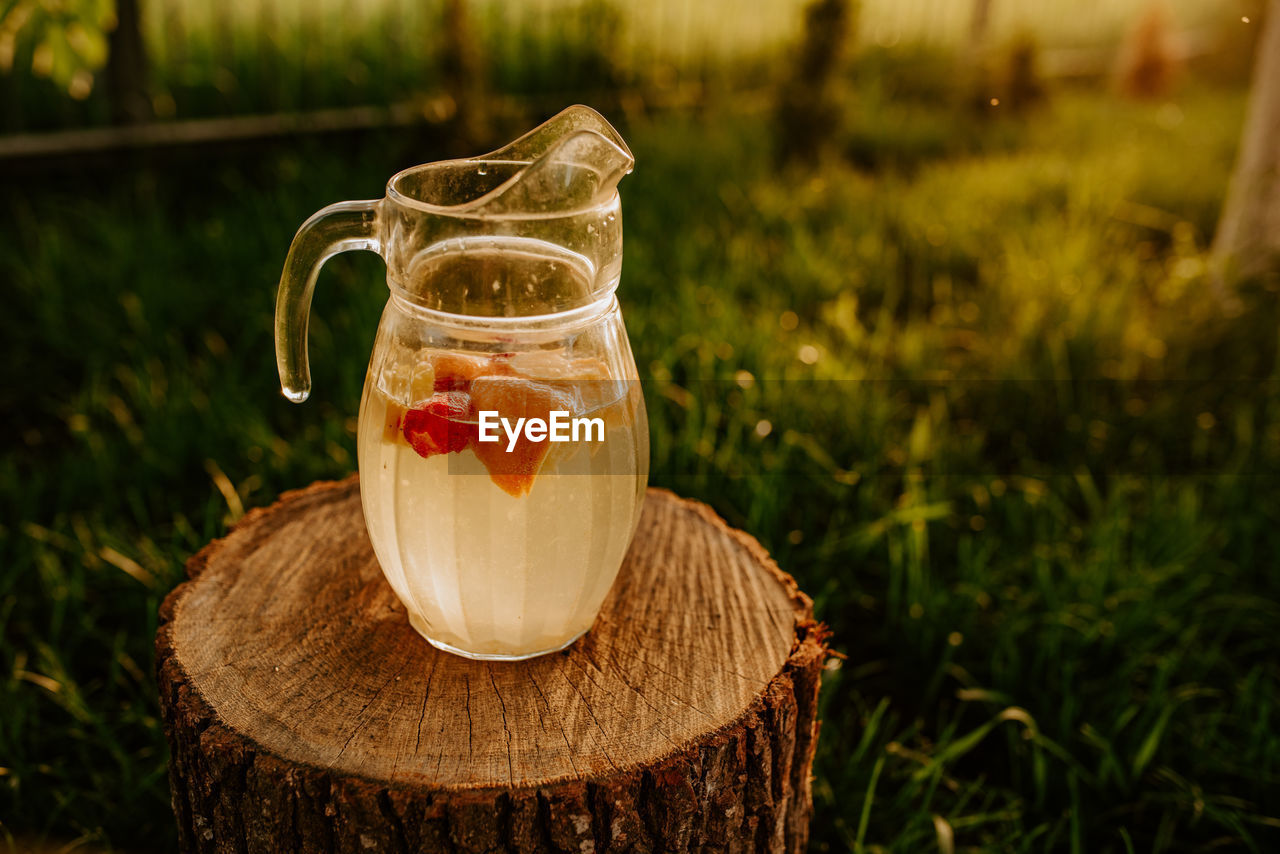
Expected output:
{"points": [[304, 714], [1247, 243]]}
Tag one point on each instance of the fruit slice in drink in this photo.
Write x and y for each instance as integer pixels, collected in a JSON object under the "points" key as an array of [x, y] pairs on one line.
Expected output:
{"points": [[513, 467]]}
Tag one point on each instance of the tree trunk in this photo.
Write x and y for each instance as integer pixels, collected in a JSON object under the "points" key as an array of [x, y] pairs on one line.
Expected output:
{"points": [[978, 24], [809, 110], [304, 714], [1248, 240], [127, 67]]}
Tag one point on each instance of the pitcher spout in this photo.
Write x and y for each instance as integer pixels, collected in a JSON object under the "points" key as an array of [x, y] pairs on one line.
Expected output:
{"points": [[575, 160]]}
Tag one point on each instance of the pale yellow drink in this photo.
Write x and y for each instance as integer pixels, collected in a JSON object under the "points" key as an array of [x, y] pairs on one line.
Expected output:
{"points": [[486, 572]]}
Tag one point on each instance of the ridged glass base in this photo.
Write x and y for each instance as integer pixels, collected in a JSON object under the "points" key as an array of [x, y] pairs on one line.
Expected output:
{"points": [[421, 629]]}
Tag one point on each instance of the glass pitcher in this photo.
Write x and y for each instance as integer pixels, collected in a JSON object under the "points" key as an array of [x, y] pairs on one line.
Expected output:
{"points": [[501, 537]]}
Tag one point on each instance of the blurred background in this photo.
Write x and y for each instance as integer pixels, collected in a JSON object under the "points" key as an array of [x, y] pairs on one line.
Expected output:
{"points": [[953, 304]]}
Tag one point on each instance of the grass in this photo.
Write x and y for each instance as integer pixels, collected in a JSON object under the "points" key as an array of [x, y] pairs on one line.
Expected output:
{"points": [[1009, 449]]}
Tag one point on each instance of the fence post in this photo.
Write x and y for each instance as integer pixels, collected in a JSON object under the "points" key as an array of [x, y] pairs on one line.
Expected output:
{"points": [[464, 74], [127, 67]]}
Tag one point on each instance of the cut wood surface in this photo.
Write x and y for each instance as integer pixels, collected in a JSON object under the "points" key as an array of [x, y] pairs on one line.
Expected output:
{"points": [[304, 713]]}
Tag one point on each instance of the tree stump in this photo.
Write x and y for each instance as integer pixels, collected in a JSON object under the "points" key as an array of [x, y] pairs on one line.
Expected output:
{"points": [[304, 714]]}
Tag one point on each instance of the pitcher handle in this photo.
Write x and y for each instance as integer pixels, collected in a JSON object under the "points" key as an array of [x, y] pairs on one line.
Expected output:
{"points": [[340, 227]]}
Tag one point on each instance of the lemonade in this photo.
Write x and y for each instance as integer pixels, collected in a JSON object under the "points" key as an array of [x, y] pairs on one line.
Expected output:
{"points": [[500, 549]]}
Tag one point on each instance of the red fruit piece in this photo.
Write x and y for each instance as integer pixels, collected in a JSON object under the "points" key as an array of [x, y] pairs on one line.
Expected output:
{"points": [[440, 426]]}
